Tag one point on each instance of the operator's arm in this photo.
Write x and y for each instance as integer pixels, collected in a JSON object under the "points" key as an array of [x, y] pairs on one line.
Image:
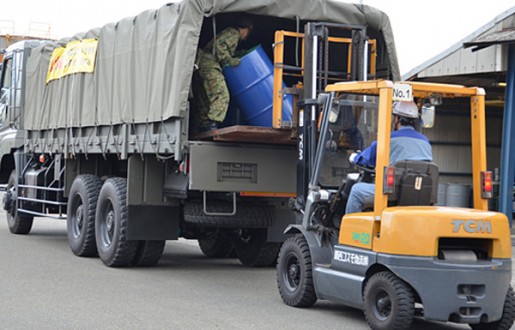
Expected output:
{"points": [[368, 156], [226, 44]]}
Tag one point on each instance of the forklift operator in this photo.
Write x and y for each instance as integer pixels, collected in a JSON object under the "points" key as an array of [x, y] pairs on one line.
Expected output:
{"points": [[405, 144]]}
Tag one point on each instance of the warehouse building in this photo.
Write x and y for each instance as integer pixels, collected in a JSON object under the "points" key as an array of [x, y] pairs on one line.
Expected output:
{"points": [[485, 58]]}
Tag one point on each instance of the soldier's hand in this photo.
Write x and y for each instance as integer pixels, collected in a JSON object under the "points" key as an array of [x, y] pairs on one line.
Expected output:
{"points": [[234, 62]]}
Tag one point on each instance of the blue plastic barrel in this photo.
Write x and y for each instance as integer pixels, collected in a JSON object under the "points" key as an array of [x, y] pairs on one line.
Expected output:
{"points": [[251, 85]]}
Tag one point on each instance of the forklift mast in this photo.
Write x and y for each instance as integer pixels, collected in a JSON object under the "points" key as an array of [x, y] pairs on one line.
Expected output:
{"points": [[317, 75]]}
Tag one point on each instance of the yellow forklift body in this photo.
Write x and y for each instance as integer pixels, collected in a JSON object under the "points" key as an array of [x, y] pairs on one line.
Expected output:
{"points": [[416, 230], [455, 262], [357, 229]]}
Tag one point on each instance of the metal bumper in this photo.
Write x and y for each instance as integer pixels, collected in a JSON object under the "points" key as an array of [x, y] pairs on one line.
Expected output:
{"points": [[458, 292]]}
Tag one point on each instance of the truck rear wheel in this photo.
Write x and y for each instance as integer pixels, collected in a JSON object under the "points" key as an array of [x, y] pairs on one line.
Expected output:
{"points": [[114, 249], [253, 250], [82, 205], [17, 223], [294, 273], [389, 302], [148, 253], [507, 319], [219, 245]]}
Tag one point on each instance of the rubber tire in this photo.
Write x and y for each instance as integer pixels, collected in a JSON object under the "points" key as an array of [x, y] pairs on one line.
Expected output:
{"points": [[17, 224], [253, 250], [111, 220], [219, 245], [247, 216], [402, 300], [295, 273], [508, 315], [148, 253], [81, 232]]}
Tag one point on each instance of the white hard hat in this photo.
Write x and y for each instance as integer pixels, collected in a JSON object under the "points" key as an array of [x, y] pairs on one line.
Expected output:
{"points": [[405, 109]]}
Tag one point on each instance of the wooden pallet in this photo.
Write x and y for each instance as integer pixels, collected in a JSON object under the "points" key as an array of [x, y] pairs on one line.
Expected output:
{"points": [[256, 134]]}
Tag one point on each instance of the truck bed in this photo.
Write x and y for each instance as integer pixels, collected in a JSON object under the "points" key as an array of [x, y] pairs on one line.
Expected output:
{"points": [[255, 134]]}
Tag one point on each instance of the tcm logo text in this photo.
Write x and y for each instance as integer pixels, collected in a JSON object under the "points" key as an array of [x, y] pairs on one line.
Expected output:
{"points": [[472, 226]]}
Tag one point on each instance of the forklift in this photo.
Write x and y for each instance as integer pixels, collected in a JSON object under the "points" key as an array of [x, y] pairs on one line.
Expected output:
{"points": [[403, 256]]}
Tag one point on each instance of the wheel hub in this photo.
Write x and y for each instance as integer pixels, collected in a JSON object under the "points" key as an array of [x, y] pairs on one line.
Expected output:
{"points": [[110, 222], [383, 305], [79, 216], [293, 271]]}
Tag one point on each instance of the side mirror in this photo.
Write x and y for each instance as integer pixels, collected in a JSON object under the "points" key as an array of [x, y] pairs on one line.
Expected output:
{"points": [[427, 115], [4, 94], [333, 113]]}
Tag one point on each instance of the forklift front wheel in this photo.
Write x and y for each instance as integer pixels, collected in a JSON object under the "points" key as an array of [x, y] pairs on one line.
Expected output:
{"points": [[389, 303], [294, 273]]}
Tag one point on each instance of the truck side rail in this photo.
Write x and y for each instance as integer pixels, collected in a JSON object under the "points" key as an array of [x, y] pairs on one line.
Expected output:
{"points": [[43, 192], [160, 138]]}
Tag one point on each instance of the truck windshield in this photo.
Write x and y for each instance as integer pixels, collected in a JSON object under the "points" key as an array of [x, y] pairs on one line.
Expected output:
{"points": [[5, 85]]}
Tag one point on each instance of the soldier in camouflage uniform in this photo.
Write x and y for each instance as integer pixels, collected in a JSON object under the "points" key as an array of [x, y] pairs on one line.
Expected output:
{"points": [[219, 52]]}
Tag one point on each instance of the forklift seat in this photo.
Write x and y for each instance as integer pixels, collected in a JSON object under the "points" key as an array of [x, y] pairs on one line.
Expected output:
{"points": [[416, 183]]}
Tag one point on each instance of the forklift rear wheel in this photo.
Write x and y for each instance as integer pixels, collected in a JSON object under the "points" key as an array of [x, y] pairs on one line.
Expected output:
{"points": [[17, 224], [80, 223], [294, 273], [507, 319], [389, 302]]}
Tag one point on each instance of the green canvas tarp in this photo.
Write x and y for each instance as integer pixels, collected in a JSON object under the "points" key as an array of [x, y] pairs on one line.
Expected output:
{"points": [[144, 64]]}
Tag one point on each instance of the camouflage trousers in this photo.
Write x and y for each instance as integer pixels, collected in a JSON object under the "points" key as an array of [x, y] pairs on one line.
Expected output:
{"points": [[215, 99]]}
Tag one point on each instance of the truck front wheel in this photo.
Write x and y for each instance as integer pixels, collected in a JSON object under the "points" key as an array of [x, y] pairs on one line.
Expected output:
{"points": [[389, 302], [82, 204], [111, 220], [17, 223]]}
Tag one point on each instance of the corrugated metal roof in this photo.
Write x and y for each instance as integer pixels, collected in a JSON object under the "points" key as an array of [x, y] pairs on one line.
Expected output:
{"points": [[493, 26], [503, 36]]}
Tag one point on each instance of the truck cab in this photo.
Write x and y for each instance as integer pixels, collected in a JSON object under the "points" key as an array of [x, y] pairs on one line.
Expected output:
{"points": [[12, 92]]}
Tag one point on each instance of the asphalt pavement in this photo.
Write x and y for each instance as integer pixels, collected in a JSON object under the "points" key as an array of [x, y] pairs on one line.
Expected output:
{"points": [[44, 286]]}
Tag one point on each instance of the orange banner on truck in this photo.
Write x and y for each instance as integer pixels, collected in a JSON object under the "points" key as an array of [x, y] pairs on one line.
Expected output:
{"points": [[78, 56]]}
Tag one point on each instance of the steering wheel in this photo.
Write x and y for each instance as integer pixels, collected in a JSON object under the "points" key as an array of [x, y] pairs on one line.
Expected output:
{"points": [[366, 173], [365, 169]]}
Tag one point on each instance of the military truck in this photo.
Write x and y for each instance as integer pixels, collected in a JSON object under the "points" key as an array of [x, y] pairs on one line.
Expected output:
{"points": [[96, 128]]}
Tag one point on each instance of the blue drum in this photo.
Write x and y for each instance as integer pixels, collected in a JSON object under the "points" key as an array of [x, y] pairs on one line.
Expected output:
{"points": [[251, 85]]}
